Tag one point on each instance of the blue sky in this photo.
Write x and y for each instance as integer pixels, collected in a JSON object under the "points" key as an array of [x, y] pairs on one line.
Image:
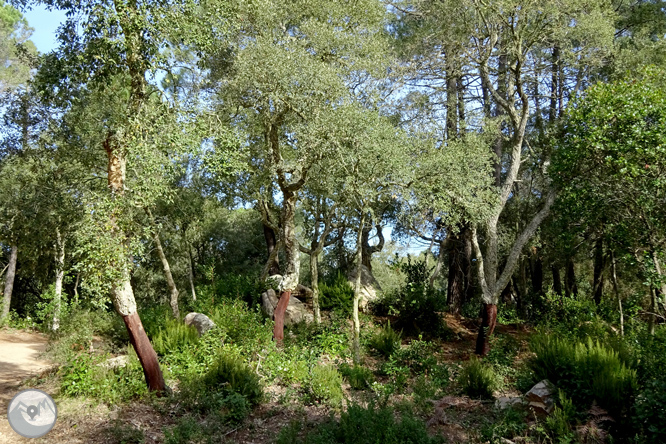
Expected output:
{"points": [[45, 24]]}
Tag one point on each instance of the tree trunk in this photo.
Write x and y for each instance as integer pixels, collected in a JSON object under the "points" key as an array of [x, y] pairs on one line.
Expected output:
{"points": [[60, 274], [536, 271], [571, 288], [314, 282], [367, 251], [456, 278], [488, 323], [598, 278], [190, 273], [653, 316], [557, 280], [122, 294], [438, 266], [292, 267], [271, 243], [9, 284], [173, 290], [617, 293], [466, 234], [280, 310], [357, 293]]}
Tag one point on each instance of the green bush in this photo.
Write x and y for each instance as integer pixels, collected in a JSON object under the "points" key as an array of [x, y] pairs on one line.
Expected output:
{"points": [[418, 356], [585, 371], [358, 377], [361, 425], [84, 376], [337, 295], [230, 374], [386, 341], [173, 335], [511, 424], [478, 380], [649, 411], [325, 384]]}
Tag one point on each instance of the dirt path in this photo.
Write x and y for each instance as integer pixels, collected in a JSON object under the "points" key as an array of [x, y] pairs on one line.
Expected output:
{"points": [[19, 359]]}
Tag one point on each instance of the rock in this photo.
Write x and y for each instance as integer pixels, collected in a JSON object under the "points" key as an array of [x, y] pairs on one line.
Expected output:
{"points": [[369, 287], [303, 293], [199, 321], [296, 312], [505, 402], [117, 362], [541, 398]]}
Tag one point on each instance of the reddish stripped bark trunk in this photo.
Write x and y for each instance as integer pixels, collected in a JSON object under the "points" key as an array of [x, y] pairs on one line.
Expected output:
{"points": [[145, 352], [488, 323], [280, 310]]}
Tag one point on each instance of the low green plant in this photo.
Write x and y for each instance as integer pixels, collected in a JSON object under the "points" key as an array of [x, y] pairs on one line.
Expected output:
{"points": [[418, 356], [559, 424], [325, 385], [511, 424], [358, 377], [173, 335], [230, 374], [386, 341], [477, 379], [586, 371], [362, 425], [503, 350], [649, 411], [336, 295]]}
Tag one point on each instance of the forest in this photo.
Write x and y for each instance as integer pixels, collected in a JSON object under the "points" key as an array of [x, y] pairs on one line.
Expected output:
{"points": [[342, 221]]}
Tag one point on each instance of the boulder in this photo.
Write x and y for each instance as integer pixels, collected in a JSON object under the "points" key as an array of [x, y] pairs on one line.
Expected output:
{"points": [[199, 321], [296, 312], [541, 398], [117, 362], [369, 287]]}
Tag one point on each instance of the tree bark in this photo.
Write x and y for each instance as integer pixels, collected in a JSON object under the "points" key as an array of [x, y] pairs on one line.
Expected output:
{"points": [[271, 243], [571, 288], [122, 294], [292, 258], [60, 274], [190, 270], [173, 290], [9, 284], [357, 292], [488, 323], [536, 269], [456, 278], [557, 280], [598, 277], [367, 250], [314, 283], [280, 310], [617, 292]]}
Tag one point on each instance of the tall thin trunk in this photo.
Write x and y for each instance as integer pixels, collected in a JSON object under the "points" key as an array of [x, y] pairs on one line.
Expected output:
{"points": [[60, 274], [9, 284], [652, 320], [367, 250], [271, 243], [292, 267], [190, 273], [122, 294], [466, 233], [557, 280], [314, 282], [617, 293], [598, 277], [76, 286], [173, 290], [456, 279], [571, 287], [488, 323], [357, 292], [554, 82], [438, 267], [536, 269]]}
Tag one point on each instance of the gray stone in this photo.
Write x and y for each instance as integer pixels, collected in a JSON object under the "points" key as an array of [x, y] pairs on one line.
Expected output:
{"points": [[369, 287], [199, 321], [296, 312], [117, 362], [541, 398]]}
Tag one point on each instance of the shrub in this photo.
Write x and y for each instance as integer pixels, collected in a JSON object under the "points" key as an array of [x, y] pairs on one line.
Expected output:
{"points": [[386, 341], [511, 424], [358, 377], [418, 356], [360, 425], [585, 371], [337, 295], [229, 374], [325, 384], [477, 379], [173, 335], [649, 411]]}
